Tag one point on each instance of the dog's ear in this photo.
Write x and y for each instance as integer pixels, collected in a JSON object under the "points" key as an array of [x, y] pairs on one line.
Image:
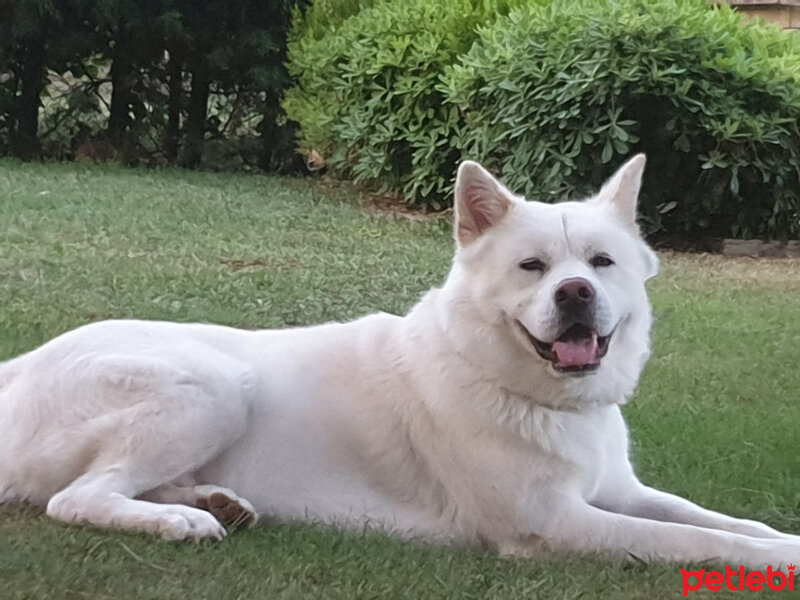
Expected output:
{"points": [[480, 202], [621, 192]]}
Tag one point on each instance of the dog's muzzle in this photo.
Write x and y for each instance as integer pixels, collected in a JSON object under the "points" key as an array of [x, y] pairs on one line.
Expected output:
{"points": [[578, 348]]}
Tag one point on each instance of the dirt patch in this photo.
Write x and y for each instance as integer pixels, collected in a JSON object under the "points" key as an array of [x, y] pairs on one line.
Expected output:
{"points": [[237, 264], [708, 269], [760, 248], [381, 204], [397, 207]]}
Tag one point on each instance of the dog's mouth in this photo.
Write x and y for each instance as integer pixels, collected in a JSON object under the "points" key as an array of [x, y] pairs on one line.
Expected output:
{"points": [[578, 350]]}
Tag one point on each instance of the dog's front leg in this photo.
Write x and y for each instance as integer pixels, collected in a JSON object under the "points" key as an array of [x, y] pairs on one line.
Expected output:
{"points": [[622, 492], [576, 526], [650, 503]]}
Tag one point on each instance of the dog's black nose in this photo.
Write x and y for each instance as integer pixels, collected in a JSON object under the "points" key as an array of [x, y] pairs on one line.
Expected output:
{"points": [[574, 293]]}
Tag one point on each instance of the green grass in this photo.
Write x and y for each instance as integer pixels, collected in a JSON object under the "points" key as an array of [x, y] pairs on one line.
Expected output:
{"points": [[714, 419]]}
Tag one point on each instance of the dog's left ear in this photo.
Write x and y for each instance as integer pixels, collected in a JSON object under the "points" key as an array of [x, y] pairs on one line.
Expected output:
{"points": [[480, 202], [621, 192]]}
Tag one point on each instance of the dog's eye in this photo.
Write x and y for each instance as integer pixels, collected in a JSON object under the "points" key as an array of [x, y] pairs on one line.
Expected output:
{"points": [[601, 260], [532, 264]]}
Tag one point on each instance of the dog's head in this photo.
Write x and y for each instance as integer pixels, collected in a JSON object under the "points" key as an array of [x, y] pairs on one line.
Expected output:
{"points": [[564, 282]]}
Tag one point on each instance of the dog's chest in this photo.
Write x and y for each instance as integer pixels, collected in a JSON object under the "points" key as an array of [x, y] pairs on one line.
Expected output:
{"points": [[571, 449]]}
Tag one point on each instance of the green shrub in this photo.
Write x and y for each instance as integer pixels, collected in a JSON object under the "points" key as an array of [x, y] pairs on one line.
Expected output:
{"points": [[555, 97], [367, 98], [325, 16]]}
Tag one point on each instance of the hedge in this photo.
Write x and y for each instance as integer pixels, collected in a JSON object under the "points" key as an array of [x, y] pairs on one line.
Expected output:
{"points": [[554, 95]]}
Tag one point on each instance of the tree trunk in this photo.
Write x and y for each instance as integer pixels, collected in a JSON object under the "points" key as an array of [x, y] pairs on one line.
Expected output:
{"points": [[270, 135], [197, 111], [174, 103], [25, 140], [119, 120]]}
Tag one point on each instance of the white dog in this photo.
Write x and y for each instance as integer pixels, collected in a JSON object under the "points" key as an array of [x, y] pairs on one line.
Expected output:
{"points": [[488, 415]]}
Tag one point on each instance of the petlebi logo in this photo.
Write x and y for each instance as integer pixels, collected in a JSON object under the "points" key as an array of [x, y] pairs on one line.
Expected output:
{"points": [[738, 580]]}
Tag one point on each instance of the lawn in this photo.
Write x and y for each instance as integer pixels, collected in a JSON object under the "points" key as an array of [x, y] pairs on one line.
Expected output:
{"points": [[714, 419]]}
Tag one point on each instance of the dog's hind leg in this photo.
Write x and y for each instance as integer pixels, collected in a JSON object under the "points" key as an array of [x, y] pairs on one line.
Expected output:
{"points": [[103, 498], [228, 507], [172, 423], [128, 484]]}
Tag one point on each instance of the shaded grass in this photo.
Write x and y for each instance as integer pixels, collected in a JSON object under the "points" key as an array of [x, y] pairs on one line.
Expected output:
{"points": [[714, 419]]}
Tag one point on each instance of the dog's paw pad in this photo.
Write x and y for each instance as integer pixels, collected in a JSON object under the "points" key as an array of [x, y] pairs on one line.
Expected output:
{"points": [[231, 512]]}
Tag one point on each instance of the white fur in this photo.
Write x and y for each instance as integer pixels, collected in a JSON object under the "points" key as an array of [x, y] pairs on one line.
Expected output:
{"points": [[443, 424]]}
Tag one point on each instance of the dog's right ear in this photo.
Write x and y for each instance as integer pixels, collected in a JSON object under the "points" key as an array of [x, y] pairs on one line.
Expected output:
{"points": [[480, 202]]}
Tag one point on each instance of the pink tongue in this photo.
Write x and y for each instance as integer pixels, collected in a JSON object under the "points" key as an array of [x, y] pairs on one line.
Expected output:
{"points": [[576, 353]]}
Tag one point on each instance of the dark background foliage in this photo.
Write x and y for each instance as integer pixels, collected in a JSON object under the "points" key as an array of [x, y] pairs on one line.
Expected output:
{"points": [[195, 83]]}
